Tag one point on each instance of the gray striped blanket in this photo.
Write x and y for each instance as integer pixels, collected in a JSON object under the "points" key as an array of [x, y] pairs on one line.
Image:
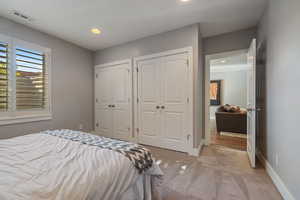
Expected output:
{"points": [[140, 157]]}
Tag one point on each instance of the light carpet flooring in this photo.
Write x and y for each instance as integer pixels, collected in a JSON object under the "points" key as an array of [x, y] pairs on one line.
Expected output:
{"points": [[218, 173]]}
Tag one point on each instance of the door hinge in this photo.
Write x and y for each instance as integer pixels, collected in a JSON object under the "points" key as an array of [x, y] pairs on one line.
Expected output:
{"points": [[137, 130], [187, 62], [188, 137], [96, 75], [97, 124], [137, 70], [188, 100], [96, 100], [137, 100]]}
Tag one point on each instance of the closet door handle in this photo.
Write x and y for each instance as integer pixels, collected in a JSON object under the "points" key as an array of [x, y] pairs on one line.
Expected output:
{"points": [[157, 107], [109, 106], [162, 107], [113, 106]]}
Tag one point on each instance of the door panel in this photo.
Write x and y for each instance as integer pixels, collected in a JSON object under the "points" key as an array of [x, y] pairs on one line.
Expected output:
{"points": [[103, 96], [174, 99], [122, 102], [150, 121], [174, 81], [173, 126], [103, 87], [121, 84], [103, 120], [251, 104], [149, 99], [121, 121], [149, 82]]}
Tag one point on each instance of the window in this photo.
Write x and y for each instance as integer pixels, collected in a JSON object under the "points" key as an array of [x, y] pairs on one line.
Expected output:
{"points": [[24, 81], [3, 77], [30, 77]]}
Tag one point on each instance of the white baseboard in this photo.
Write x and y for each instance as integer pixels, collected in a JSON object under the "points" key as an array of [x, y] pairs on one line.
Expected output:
{"points": [[276, 179], [196, 151]]}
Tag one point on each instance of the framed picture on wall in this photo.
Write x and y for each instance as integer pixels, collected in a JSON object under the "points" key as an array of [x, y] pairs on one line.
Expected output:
{"points": [[215, 92]]}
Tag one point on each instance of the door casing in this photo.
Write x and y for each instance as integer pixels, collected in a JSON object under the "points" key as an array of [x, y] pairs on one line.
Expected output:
{"points": [[208, 58]]}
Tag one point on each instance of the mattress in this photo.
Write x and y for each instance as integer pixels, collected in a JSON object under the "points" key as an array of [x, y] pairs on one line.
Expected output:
{"points": [[42, 166]]}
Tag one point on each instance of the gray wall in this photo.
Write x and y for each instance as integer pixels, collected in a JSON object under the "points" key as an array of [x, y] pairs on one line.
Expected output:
{"points": [[229, 42], [183, 37], [280, 28], [234, 88], [72, 82]]}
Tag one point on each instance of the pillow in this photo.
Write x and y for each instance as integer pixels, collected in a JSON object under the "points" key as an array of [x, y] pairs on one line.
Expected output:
{"points": [[235, 109], [231, 108]]}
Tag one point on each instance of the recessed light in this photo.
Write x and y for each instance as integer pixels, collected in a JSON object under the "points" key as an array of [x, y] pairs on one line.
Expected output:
{"points": [[223, 61], [96, 31], [184, 0]]}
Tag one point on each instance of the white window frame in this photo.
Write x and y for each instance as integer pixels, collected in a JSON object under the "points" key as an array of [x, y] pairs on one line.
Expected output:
{"points": [[12, 116]]}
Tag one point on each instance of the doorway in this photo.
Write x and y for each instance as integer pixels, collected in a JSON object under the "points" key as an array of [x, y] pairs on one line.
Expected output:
{"points": [[232, 88], [227, 91]]}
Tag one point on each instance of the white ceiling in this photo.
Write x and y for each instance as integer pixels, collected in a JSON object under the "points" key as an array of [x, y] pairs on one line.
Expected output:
{"points": [[126, 20]]}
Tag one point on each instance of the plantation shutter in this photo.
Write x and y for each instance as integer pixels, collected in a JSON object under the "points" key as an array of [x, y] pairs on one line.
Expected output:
{"points": [[4, 94], [30, 79]]}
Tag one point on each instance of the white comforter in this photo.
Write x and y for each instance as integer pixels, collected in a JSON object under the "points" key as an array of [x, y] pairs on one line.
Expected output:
{"points": [[41, 166]]}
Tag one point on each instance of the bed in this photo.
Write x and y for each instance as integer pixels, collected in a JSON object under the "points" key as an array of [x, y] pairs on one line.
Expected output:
{"points": [[73, 165]]}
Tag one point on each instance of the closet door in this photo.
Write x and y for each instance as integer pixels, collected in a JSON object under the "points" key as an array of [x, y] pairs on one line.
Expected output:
{"points": [[163, 102], [103, 99], [174, 101], [149, 84], [121, 106]]}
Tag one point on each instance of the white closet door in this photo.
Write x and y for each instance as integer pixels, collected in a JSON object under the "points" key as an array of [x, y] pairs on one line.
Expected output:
{"points": [[149, 83], [104, 97], [163, 107], [174, 93], [122, 87]]}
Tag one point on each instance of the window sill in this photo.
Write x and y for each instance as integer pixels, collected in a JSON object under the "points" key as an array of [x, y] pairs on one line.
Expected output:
{"points": [[24, 119]]}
